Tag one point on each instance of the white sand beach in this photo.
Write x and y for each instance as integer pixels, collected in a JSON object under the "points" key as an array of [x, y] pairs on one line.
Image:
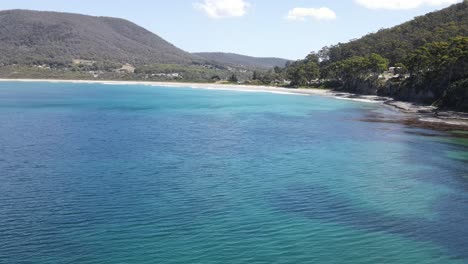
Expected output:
{"points": [[217, 86], [416, 113]]}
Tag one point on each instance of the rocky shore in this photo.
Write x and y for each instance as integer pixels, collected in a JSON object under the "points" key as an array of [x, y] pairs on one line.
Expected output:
{"points": [[424, 116]]}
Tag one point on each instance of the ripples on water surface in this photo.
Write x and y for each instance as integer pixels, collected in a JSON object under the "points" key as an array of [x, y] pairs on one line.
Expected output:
{"points": [[133, 174]]}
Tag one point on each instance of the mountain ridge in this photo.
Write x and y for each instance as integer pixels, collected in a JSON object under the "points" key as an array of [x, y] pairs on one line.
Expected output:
{"points": [[234, 59], [396, 42], [30, 37], [42, 36]]}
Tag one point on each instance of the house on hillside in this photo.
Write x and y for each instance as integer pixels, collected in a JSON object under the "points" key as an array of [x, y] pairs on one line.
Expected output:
{"points": [[83, 62], [167, 75], [126, 68], [394, 72]]}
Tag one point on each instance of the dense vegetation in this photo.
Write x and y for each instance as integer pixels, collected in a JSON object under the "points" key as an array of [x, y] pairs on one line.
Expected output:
{"points": [[398, 42], [33, 37], [440, 69], [64, 45], [428, 56], [304, 71], [236, 60]]}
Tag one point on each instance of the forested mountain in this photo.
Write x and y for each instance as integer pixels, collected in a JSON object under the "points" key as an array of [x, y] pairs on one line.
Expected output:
{"points": [[36, 37], [39, 44], [424, 60], [396, 43], [232, 59]]}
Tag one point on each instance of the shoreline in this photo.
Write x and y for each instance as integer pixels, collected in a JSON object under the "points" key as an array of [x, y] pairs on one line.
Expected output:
{"points": [[425, 116], [214, 86], [416, 115]]}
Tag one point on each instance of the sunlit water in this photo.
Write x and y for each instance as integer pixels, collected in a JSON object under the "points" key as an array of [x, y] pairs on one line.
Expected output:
{"points": [[136, 174]]}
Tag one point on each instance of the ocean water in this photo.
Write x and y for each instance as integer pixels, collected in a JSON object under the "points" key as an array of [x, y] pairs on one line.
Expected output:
{"points": [[93, 173]]}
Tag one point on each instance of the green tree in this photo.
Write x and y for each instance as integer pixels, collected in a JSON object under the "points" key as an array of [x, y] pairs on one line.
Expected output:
{"points": [[268, 77], [437, 65], [255, 75], [400, 68], [296, 74], [312, 70], [277, 70], [303, 72], [233, 78], [377, 63], [356, 69]]}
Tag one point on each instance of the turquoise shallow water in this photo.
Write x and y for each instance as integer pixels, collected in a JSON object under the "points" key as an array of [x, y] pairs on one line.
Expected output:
{"points": [[134, 174]]}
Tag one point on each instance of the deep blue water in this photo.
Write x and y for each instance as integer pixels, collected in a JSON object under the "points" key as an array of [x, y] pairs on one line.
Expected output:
{"points": [[135, 174]]}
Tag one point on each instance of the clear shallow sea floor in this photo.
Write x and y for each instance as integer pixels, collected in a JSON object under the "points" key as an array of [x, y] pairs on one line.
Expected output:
{"points": [[93, 173]]}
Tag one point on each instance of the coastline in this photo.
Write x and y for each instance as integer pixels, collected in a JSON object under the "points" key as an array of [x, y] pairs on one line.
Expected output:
{"points": [[217, 86], [424, 116], [415, 115]]}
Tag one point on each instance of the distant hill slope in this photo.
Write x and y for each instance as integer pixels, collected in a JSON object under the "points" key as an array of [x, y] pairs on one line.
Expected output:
{"points": [[36, 37], [397, 42], [237, 60]]}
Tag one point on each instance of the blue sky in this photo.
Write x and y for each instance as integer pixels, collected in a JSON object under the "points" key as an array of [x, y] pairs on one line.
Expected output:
{"points": [[282, 28]]}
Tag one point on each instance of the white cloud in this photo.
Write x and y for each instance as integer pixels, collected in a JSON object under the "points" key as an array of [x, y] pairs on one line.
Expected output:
{"points": [[223, 8], [301, 14], [402, 4]]}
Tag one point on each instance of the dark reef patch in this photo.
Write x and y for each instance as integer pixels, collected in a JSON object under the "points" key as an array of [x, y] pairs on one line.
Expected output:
{"points": [[449, 229]]}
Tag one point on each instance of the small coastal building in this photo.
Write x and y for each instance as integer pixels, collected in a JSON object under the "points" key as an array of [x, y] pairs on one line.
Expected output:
{"points": [[83, 62], [126, 68], [167, 75]]}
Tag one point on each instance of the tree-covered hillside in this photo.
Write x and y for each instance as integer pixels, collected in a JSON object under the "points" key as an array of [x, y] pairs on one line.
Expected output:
{"points": [[424, 60], [34, 37], [396, 43], [66, 45], [236, 60]]}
